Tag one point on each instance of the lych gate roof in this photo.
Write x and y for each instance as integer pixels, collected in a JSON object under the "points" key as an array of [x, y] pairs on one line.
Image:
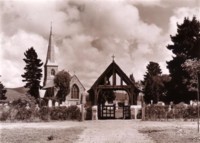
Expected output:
{"points": [[113, 67], [103, 83]]}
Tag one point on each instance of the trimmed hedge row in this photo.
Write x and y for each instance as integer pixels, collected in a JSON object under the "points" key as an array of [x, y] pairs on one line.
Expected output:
{"points": [[179, 111], [20, 112]]}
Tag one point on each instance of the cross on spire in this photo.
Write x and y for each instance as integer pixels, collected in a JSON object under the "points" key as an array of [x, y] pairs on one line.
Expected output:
{"points": [[113, 57]]}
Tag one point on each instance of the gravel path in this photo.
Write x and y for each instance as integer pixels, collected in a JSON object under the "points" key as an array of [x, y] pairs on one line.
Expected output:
{"points": [[108, 131], [113, 131]]}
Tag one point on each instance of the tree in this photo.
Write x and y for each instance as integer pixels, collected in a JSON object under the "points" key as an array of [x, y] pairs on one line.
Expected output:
{"points": [[62, 82], [152, 84], [33, 73], [193, 68], [2, 92], [185, 45]]}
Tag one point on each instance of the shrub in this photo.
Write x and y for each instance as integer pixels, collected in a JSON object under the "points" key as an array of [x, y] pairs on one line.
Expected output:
{"points": [[18, 111], [180, 111], [59, 113], [154, 112], [44, 113], [23, 114], [74, 113], [4, 116]]}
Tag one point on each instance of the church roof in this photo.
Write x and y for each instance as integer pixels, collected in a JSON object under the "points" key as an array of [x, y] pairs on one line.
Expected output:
{"points": [[74, 76]]}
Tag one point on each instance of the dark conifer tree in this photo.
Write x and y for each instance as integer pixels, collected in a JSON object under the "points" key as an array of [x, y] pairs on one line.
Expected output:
{"points": [[152, 84], [33, 73], [185, 45]]}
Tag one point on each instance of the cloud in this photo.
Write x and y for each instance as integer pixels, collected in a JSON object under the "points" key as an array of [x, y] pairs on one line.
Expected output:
{"points": [[146, 2], [12, 54], [86, 35], [180, 14]]}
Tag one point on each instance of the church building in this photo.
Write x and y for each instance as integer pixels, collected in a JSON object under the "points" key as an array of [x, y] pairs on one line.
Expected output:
{"points": [[50, 69]]}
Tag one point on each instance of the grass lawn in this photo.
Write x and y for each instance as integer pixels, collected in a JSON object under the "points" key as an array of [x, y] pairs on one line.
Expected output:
{"points": [[35, 135], [172, 135]]}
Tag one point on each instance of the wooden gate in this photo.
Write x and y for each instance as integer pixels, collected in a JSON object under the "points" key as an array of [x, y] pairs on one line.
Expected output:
{"points": [[126, 112], [107, 111]]}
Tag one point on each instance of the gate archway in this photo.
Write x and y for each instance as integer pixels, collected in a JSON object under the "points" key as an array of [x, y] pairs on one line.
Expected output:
{"points": [[112, 79]]}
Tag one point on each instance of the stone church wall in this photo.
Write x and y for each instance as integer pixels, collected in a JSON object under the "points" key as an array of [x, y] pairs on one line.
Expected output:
{"points": [[69, 99]]}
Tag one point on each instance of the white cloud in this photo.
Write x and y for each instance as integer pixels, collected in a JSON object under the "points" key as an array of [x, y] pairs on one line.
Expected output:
{"points": [[12, 54], [86, 34], [180, 14]]}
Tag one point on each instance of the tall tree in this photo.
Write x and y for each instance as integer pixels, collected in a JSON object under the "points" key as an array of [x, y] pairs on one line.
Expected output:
{"points": [[33, 72], [62, 82], [2, 92], [185, 45], [152, 84]]}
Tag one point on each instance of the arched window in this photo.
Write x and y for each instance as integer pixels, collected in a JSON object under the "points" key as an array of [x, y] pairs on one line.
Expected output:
{"points": [[53, 72], [75, 92]]}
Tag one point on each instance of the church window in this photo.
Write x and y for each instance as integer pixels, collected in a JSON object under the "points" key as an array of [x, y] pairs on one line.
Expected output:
{"points": [[53, 72], [75, 92]]}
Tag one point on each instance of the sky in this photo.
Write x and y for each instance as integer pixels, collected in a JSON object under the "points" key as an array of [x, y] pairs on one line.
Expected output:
{"points": [[87, 33]]}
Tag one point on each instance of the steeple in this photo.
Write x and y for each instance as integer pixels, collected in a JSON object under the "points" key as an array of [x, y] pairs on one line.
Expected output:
{"points": [[51, 52], [51, 66]]}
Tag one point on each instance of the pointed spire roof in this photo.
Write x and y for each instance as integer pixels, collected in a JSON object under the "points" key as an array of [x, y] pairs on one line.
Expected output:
{"points": [[51, 51]]}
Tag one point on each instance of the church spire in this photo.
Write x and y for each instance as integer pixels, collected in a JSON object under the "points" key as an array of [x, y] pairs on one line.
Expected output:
{"points": [[50, 52], [51, 66]]}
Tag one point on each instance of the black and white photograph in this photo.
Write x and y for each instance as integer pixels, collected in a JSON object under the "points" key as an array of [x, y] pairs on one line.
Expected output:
{"points": [[99, 71]]}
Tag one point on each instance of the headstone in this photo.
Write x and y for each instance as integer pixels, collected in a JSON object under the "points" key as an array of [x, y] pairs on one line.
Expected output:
{"points": [[42, 93], [27, 106], [191, 102], [50, 103], [37, 107], [6, 106], [161, 103], [56, 104], [106, 103]]}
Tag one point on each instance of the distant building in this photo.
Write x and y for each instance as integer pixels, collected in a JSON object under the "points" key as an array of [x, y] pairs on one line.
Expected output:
{"points": [[50, 70]]}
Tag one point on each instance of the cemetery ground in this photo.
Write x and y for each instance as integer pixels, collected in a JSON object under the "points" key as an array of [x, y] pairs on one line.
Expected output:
{"points": [[101, 131]]}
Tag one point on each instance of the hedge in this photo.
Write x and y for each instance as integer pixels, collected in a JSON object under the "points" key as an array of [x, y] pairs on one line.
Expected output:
{"points": [[20, 112], [179, 111]]}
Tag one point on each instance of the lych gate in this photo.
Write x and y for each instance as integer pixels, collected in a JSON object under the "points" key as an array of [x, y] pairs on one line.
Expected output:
{"points": [[102, 92]]}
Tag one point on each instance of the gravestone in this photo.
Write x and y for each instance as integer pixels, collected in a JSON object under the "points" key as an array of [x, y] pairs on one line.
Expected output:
{"points": [[50, 103], [56, 104]]}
